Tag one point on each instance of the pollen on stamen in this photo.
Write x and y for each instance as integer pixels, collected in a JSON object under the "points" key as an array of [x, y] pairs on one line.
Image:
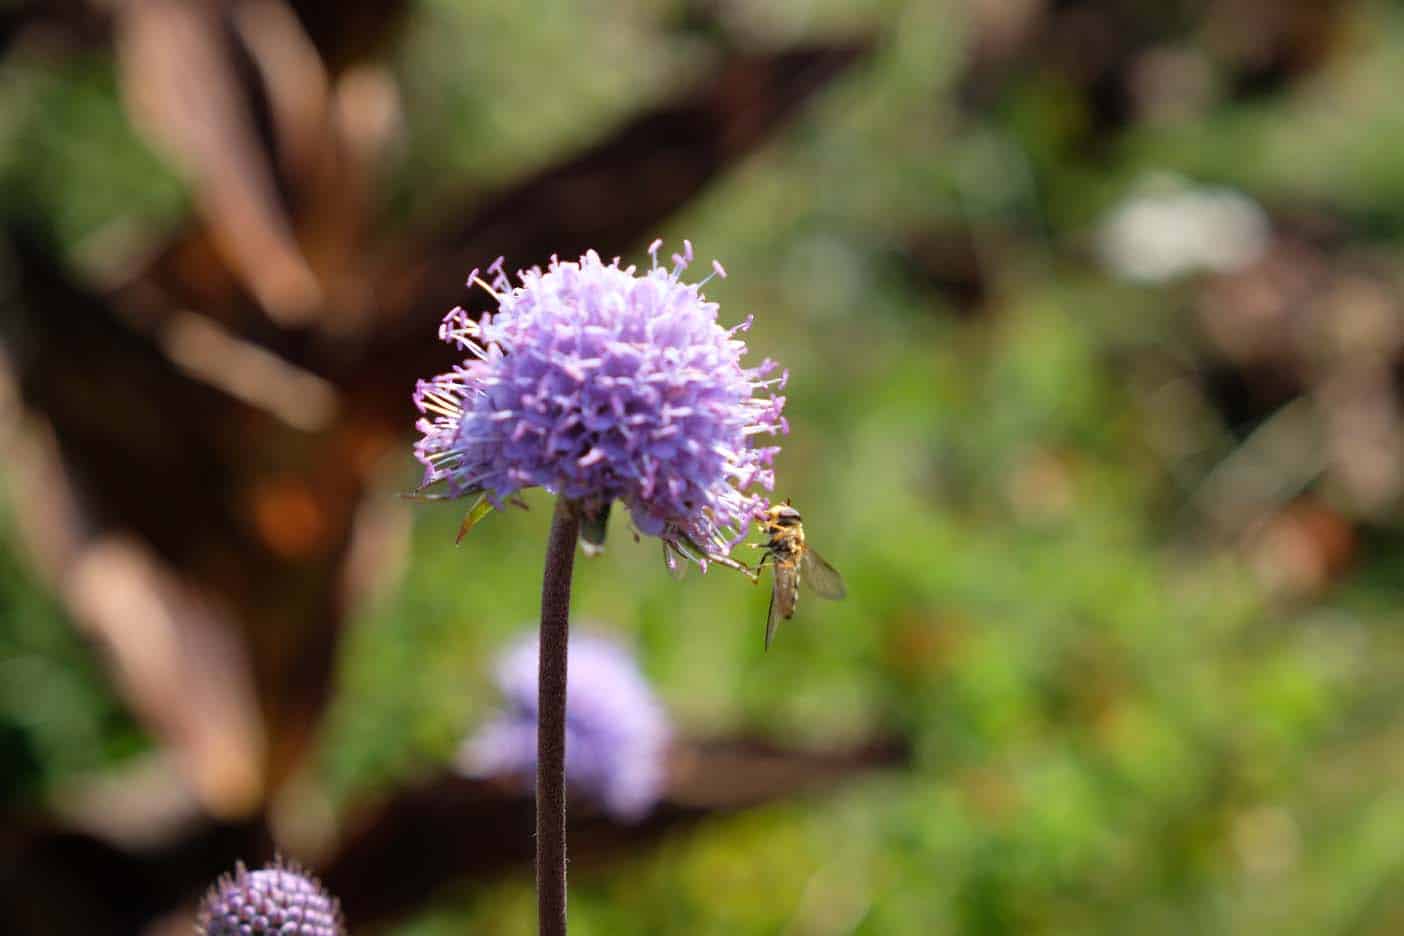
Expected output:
{"points": [[477, 280]]}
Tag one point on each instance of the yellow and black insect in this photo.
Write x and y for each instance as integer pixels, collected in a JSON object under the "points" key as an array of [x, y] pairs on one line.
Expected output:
{"points": [[792, 560]]}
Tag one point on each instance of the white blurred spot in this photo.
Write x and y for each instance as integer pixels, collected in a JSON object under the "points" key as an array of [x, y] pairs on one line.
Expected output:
{"points": [[1169, 228]]}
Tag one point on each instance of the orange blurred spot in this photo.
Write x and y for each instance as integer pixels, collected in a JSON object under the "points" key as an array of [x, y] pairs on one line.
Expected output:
{"points": [[1303, 549], [289, 519], [922, 644], [989, 793], [1041, 488]]}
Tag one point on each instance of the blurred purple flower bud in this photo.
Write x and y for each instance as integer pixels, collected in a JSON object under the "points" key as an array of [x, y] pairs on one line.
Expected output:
{"points": [[599, 383], [281, 898], [616, 731]]}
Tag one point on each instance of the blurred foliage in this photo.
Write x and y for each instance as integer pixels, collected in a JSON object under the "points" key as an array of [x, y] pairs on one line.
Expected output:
{"points": [[57, 716], [68, 156], [1118, 725]]}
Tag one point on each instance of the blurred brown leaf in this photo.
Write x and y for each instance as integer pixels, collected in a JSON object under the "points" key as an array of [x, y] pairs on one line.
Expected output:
{"points": [[215, 438], [181, 68], [453, 827]]}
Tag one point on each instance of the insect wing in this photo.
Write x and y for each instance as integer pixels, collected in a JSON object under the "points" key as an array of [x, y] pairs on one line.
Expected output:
{"points": [[782, 599], [820, 576]]}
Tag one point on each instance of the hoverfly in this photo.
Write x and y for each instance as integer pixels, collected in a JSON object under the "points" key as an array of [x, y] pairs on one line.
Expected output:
{"points": [[793, 560]]}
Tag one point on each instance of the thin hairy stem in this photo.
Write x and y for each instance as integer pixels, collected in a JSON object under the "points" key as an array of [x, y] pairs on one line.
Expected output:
{"points": [[551, 721]]}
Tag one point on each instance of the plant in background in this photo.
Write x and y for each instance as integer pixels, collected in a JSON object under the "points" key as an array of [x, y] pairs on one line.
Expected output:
{"points": [[279, 898], [599, 383], [617, 733]]}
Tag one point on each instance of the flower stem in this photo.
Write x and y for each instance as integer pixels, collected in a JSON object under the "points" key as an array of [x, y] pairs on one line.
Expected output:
{"points": [[551, 721]]}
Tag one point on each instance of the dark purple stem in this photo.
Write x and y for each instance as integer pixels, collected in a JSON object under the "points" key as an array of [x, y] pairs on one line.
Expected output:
{"points": [[551, 721]]}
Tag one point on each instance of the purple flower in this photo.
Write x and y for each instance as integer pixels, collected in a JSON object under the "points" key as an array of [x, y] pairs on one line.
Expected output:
{"points": [[616, 731], [599, 383], [280, 898]]}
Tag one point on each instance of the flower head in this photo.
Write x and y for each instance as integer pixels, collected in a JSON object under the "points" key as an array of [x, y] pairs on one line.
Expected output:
{"points": [[280, 898], [599, 383], [616, 731]]}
